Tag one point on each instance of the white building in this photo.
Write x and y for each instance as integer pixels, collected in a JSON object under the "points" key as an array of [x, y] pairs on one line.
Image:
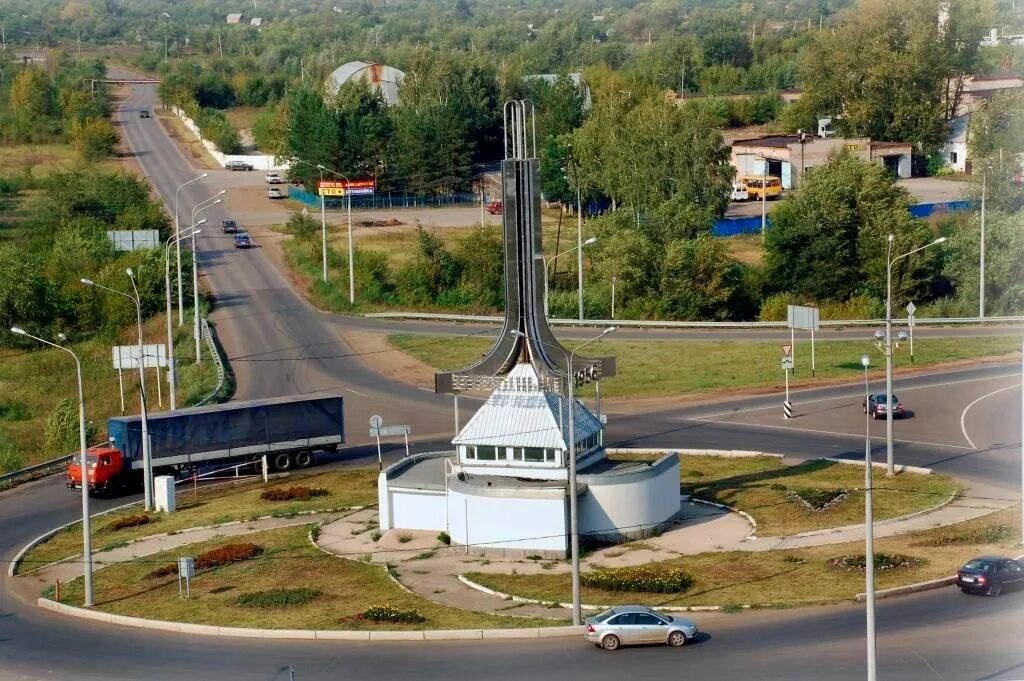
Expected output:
{"points": [[954, 151], [505, 486]]}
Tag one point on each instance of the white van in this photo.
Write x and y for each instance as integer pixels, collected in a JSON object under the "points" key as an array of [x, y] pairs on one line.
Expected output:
{"points": [[739, 192]]}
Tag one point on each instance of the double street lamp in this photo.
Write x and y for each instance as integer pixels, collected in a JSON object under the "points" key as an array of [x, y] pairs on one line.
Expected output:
{"points": [[574, 532], [171, 365], [84, 470], [547, 262], [147, 462], [177, 229], [199, 207], [323, 226]]}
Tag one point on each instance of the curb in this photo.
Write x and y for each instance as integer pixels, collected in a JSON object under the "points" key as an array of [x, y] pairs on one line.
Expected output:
{"points": [[724, 453], [750, 519], [914, 588], [900, 468], [890, 521], [310, 634], [584, 606]]}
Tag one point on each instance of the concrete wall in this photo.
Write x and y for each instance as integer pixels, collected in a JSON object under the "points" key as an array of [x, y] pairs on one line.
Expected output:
{"points": [[417, 510], [508, 522], [631, 504], [958, 148], [257, 161]]}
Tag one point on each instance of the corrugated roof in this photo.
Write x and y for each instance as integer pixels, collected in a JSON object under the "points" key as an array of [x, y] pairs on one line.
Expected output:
{"points": [[381, 78], [775, 141], [519, 414]]}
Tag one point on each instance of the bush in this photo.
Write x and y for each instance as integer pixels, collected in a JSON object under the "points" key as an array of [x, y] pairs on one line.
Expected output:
{"points": [[129, 521], [444, 538], [277, 598], [644, 579], [883, 561], [293, 493], [222, 555], [388, 613]]}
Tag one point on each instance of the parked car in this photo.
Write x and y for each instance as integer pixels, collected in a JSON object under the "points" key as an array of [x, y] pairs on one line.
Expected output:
{"points": [[242, 240], [990, 575], [229, 226], [275, 193], [238, 165], [876, 406], [275, 178], [495, 208], [144, 114], [739, 192], [637, 624]]}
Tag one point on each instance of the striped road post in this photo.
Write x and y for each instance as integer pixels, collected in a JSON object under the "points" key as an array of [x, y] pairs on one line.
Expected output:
{"points": [[787, 366]]}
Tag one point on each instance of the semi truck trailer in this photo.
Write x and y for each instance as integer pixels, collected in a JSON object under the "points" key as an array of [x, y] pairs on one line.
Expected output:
{"points": [[287, 430]]}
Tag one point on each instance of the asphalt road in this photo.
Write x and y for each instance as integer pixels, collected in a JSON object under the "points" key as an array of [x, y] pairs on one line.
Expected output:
{"points": [[935, 635]]}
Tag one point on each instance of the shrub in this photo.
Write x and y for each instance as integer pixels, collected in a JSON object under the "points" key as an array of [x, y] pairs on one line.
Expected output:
{"points": [[444, 538], [129, 521], [883, 561], [222, 555], [293, 493], [643, 579], [389, 613], [277, 598], [817, 500], [404, 538]]}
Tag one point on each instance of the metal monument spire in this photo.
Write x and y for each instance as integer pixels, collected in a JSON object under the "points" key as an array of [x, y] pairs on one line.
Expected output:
{"points": [[524, 280]]}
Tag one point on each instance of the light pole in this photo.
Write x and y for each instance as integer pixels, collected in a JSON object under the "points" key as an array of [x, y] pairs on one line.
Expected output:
{"points": [[574, 533], [323, 227], [1022, 443], [147, 463], [201, 206], [869, 531], [176, 239], [181, 299], [547, 262], [890, 468], [84, 470], [981, 273], [764, 196]]}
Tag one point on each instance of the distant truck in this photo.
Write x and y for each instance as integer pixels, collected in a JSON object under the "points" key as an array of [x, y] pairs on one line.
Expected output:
{"points": [[287, 430]]}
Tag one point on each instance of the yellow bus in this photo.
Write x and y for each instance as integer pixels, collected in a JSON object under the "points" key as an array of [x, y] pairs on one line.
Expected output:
{"points": [[772, 187]]}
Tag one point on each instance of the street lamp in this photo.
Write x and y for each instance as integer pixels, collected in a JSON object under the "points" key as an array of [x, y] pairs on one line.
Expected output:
{"points": [[869, 531], [83, 449], [181, 299], [147, 463], [888, 348], [574, 533], [547, 262], [176, 239], [201, 206], [323, 227]]}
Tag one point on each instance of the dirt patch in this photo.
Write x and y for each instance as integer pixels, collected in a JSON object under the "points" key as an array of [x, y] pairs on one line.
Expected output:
{"points": [[380, 355], [186, 141]]}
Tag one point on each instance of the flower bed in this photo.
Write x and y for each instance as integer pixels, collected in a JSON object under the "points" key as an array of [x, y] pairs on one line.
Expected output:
{"points": [[818, 500], [883, 561], [993, 534], [293, 493], [643, 579], [129, 521], [224, 555], [388, 613]]}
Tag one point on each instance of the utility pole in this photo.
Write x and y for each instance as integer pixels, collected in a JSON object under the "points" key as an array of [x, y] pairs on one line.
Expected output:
{"points": [[220, 45], [981, 277]]}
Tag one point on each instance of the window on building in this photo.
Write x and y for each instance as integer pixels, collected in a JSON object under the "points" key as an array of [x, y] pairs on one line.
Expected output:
{"points": [[468, 452], [533, 454], [487, 453], [550, 455], [952, 158]]}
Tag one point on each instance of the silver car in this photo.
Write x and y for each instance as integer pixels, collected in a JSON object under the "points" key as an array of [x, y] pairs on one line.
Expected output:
{"points": [[637, 624]]}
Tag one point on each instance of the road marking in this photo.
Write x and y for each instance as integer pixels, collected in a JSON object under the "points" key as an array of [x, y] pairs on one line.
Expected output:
{"points": [[963, 414], [830, 432], [846, 397], [353, 390]]}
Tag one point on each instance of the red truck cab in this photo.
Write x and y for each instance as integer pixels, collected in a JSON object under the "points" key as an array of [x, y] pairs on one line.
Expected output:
{"points": [[495, 208], [105, 469]]}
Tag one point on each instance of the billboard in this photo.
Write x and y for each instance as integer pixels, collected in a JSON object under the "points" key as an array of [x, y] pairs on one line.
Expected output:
{"points": [[346, 187]]}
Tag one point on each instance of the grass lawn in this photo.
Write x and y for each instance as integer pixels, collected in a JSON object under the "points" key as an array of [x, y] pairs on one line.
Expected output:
{"points": [[242, 117], [763, 487], [288, 561], [661, 368], [745, 248], [790, 578], [33, 381], [212, 506]]}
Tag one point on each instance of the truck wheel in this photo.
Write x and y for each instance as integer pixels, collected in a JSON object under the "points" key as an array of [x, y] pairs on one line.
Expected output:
{"points": [[281, 462], [304, 459]]}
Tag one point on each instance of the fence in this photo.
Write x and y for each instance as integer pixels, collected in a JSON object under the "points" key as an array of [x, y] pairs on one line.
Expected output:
{"points": [[383, 200]]}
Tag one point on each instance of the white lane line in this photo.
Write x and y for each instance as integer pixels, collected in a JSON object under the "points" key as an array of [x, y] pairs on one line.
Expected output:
{"points": [[963, 414], [830, 432], [852, 394], [353, 390]]}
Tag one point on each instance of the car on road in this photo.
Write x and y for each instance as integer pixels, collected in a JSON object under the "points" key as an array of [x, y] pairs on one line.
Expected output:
{"points": [[635, 625], [739, 192], [495, 208], [238, 165], [876, 406], [275, 193], [275, 178], [144, 114], [990, 575], [229, 227], [242, 240]]}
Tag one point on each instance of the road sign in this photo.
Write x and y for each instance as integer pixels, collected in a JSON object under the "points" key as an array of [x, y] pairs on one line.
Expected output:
{"points": [[389, 431], [787, 363], [331, 188], [127, 356], [802, 317], [376, 421], [911, 309], [134, 239], [346, 187], [786, 349]]}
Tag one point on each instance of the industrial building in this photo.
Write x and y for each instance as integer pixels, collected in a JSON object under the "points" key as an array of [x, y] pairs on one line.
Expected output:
{"points": [[382, 79]]}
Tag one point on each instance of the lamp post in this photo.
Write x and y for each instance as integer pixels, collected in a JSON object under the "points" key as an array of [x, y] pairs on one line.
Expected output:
{"points": [[181, 299], [201, 206], [888, 350], [147, 463], [981, 264], [323, 225], [83, 450], [176, 239], [574, 533], [547, 262], [869, 531]]}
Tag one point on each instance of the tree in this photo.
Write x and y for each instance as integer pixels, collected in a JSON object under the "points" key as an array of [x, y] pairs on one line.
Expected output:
{"points": [[1004, 263], [93, 138], [26, 296], [32, 95], [699, 280]]}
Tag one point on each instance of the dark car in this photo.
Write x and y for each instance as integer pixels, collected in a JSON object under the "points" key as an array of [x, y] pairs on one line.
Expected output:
{"points": [[238, 165], [229, 226], [990, 575], [242, 240], [143, 114], [876, 406]]}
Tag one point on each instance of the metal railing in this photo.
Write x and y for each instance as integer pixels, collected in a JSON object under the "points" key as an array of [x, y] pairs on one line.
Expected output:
{"points": [[666, 324], [215, 355], [35, 471]]}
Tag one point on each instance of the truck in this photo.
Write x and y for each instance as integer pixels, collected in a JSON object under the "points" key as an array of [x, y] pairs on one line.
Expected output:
{"points": [[286, 430]]}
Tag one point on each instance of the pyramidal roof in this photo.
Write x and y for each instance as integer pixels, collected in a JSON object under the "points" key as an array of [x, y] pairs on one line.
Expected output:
{"points": [[520, 414]]}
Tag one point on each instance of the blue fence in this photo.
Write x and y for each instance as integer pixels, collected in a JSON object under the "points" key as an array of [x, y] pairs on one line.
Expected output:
{"points": [[382, 200], [752, 225]]}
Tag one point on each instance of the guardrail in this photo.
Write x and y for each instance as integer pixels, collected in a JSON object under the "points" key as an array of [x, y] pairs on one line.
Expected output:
{"points": [[37, 471], [215, 355], [665, 324]]}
